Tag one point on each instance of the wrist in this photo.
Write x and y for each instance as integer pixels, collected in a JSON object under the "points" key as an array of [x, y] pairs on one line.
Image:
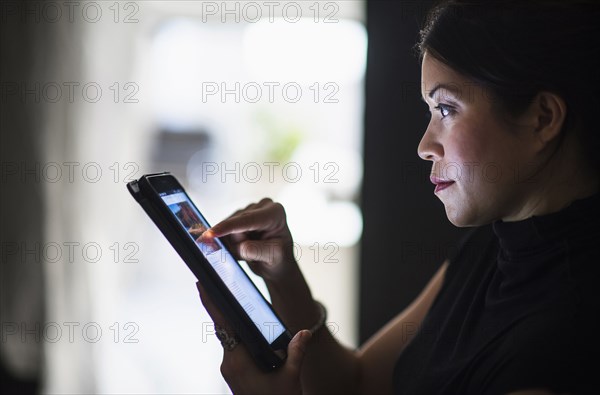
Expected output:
{"points": [[293, 301], [289, 288]]}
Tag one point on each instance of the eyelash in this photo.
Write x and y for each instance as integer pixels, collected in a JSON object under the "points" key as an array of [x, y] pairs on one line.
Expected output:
{"points": [[444, 107]]}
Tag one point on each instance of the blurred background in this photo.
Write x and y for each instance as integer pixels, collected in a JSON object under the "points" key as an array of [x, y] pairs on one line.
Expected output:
{"points": [[314, 104]]}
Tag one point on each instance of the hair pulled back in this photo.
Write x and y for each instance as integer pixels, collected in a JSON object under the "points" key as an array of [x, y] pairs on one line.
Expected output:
{"points": [[518, 48]]}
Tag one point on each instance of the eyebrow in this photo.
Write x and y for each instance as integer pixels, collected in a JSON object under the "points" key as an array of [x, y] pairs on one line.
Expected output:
{"points": [[447, 87]]}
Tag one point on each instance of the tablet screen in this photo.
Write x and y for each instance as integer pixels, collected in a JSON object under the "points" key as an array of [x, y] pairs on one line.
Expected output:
{"points": [[232, 274]]}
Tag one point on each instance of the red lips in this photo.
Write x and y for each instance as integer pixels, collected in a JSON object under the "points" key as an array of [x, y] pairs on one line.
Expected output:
{"points": [[440, 183]]}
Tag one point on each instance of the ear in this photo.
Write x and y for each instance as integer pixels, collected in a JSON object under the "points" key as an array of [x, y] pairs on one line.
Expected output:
{"points": [[548, 112]]}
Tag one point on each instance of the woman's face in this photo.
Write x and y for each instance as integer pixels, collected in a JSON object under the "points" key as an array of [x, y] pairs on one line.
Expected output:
{"points": [[480, 159]]}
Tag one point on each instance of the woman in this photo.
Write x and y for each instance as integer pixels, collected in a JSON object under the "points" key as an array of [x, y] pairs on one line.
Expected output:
{"points": [[512, 90]]}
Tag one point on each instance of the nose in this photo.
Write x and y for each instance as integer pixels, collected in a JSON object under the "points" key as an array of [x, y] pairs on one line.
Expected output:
{"points": [[429, 148]]}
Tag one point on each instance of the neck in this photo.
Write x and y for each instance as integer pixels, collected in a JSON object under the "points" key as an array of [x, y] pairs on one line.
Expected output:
{"points": [[564, 178]]}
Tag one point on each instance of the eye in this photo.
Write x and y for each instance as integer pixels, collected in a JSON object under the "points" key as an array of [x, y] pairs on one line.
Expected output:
{"points": [[444, 110]]}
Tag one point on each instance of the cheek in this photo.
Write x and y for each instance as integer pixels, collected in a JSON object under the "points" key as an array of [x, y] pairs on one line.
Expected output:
{"points": [[464, 151], [480, 156], [478, 150]]}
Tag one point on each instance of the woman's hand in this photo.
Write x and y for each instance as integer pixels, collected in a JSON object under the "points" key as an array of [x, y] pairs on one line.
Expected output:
{"points": [[260, 236], [240, 371]]}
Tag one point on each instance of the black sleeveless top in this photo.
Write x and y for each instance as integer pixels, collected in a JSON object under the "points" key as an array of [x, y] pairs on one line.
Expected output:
{"points": [[519, 309]]}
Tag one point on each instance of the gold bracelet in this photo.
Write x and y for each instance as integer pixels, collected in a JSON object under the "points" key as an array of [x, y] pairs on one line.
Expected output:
{"points": [[322, 318]]}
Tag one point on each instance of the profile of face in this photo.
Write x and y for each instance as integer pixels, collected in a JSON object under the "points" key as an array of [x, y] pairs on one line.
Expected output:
{"points": [[483, 161]]}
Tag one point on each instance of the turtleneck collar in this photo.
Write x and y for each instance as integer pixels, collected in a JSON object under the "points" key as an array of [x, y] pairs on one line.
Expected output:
{"points": [[539, 232], [533, 257]]}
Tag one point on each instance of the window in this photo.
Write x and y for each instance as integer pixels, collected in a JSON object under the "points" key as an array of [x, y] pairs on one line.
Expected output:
{"points": [[238, 107]]}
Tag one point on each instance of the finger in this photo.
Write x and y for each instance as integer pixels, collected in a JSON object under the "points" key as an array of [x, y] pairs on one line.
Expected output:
{"points": [[256, 267], [232, 244], [237, 362], [247, 222], [216, 315], [234, 238], [262, 218], [268, 251], [251, 206], [263, 202], [297, 349]]}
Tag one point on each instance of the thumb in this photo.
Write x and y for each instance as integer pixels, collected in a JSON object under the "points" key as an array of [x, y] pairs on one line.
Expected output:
{"points": [[297, 349]]}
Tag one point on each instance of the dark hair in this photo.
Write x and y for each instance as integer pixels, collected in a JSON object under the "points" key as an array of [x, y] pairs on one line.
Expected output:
{"points": [[517, 48]]}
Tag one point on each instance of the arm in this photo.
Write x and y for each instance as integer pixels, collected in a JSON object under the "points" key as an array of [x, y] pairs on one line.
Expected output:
{"points": [[260, 236], [378, 355], [331, 368]]}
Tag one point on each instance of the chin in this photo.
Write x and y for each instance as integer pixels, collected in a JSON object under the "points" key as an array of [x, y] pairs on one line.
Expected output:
{"points": [[457, 222], [460, 217]]}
